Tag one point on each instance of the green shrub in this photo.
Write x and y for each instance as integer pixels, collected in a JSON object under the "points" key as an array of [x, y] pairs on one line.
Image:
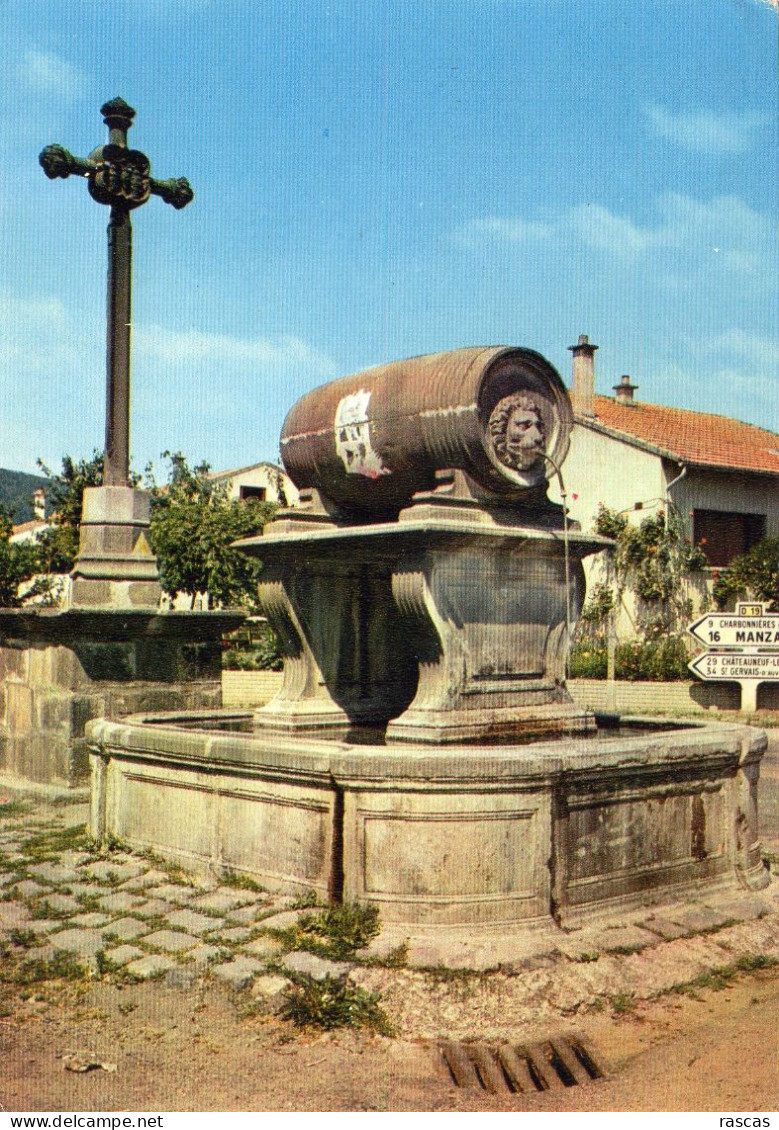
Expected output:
{"points": [[752, 576], [334, 1003], [587, 660], [661, 660], [259, 653]]}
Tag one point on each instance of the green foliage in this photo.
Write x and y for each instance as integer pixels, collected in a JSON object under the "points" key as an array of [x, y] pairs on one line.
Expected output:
{"points": [[18, 563], [654, 561], [334, 1003], [14, 808], [722, 976], [752, 576], [335, 933], [47, 844], [663, 659], [347, 926], [260, 654], [193, 524], [58, 545], [588, 659], [599, 605], [623, 1004], [16, 494], [240, 882], [65, 491], [31, 971]]}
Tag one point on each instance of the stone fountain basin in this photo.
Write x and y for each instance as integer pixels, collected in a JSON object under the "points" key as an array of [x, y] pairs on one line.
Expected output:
{"points": [[482, 838]]}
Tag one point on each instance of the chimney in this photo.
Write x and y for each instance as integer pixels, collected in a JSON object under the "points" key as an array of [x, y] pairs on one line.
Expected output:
{"points": [[583, 380], [39, 505], [625, 390]]}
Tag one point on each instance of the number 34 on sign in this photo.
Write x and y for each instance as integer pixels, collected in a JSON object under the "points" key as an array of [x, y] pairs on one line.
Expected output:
{"points": [[745, 647]]}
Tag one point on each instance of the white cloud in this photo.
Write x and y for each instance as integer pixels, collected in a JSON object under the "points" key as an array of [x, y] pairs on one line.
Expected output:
{"points": [[724, 227], [39, 335], [195, 347], [503, 229], [706, 132], [49, 74], [598, 227], [216, 396]]}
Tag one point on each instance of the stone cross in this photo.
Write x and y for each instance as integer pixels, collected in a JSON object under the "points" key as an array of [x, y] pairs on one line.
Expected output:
{"points": [[119, 177]]}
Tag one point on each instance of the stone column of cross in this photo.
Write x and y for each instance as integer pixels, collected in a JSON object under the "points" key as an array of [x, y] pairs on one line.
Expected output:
{"points": [[119, 177]]}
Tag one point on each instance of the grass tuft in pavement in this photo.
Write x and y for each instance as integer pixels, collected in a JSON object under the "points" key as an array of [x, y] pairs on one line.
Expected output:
{"points": [[334, 1003]]}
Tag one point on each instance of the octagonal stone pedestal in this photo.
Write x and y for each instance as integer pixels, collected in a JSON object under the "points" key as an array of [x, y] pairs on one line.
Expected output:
{"points": [[467, 840], [60, 669]]}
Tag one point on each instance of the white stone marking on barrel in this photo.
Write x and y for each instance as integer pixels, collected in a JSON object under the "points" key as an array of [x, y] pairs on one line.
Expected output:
{"points": [[353, 437]]}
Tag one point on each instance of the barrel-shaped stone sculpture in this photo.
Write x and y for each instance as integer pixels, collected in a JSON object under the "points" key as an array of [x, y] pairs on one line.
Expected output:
{"points": [[370, 441]]}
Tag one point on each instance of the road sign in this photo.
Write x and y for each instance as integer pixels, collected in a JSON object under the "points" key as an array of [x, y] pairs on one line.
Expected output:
{"points": [[729, 629], [746, 648], [736, 666]]}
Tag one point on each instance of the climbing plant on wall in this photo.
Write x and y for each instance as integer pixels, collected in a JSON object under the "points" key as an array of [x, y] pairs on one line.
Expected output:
{"points": [[654, 561], [752, 576]]}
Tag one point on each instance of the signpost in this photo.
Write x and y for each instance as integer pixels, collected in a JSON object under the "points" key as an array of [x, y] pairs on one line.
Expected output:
{"points": [[744, 648]]}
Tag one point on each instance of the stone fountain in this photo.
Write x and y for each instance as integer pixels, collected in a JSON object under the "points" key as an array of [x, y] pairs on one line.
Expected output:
{"points": [[423, 753]]}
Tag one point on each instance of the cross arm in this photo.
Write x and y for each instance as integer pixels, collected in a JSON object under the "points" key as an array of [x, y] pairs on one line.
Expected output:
{"points": [[58, 162], [176, 191]]}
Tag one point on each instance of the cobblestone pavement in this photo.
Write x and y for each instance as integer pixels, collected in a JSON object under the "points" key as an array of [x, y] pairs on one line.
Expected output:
{"points": [[65, 902], [65, 905]]}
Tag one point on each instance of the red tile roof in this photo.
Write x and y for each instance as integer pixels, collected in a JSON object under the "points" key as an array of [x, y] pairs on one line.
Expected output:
{"points": [[697, 438], [24, 527]]}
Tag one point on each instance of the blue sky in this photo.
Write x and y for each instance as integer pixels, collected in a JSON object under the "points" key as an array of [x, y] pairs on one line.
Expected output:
{"points": [[376, 179]]}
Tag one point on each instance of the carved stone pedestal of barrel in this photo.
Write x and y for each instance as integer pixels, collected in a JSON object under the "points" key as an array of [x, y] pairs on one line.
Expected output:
{"points": [[437, 631]]}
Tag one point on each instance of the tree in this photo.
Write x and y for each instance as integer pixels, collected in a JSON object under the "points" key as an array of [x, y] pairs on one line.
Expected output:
{"points": [[18, 563], [58, 545], [193, 523], [753, 575]]}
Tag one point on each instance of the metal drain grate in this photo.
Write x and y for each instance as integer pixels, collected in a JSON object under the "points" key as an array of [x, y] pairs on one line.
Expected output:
{"points": [[551, 1065]]}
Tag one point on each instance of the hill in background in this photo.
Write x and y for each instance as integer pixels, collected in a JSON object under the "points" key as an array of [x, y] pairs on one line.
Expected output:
{"points": [[16, 491]]}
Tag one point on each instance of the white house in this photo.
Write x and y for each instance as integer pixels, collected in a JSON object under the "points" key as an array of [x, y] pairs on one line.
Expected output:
{"points": [[721, 475], [264, 482]]}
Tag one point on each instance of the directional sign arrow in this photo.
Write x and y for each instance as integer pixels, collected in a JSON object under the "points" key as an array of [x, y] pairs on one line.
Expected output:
{"points": [[736, 667], [727, 629]]}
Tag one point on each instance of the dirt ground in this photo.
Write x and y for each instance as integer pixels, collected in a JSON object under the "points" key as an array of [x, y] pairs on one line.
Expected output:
{"points": [[194, 1050]]}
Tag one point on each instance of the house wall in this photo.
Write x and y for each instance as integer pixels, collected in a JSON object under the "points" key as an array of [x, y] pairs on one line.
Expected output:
{"points": [[734, 492], [600, 469], [266, 476]]}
